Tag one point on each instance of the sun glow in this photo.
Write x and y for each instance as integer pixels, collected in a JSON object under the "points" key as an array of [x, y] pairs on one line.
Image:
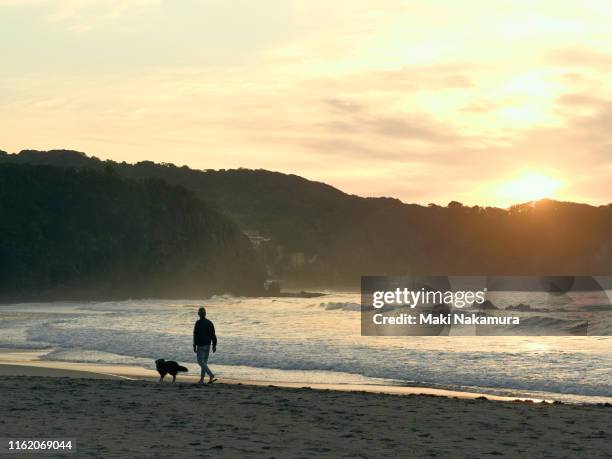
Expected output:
{"points": [[530, 186]]}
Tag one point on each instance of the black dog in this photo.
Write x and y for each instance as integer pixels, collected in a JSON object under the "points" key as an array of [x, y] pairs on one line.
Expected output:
{"points": [[170, 367]]}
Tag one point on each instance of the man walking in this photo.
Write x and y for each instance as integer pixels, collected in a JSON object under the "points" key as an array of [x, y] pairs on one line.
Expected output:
{"points": [[203, 336]]}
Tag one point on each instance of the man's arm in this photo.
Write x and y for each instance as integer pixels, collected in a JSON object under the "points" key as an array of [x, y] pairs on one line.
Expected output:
{"points": [[214, 337], [195, 348]]}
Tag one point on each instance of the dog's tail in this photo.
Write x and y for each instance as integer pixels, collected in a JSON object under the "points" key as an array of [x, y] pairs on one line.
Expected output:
{"points": [[181, 368]]}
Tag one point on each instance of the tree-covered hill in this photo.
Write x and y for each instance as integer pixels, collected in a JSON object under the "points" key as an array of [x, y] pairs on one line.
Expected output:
{"points": [[83, 233], [297, 213], [310, 232]]}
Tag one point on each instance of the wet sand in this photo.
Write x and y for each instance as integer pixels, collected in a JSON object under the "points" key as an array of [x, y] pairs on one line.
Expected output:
{"points": [[28, 362]]}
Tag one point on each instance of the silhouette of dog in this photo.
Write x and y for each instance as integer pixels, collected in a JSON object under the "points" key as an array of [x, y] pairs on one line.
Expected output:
{"points": [[169, 367]]}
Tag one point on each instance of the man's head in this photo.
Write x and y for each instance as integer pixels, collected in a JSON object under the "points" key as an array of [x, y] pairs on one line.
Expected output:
{"points": [[202, 313]]}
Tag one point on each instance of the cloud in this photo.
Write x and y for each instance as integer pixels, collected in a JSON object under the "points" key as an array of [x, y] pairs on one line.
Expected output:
{"points": [[344, 105], [21, 2], [404, 79], [75, 16], [580, 56], [579, 100], [418, 101], [400, 127]]}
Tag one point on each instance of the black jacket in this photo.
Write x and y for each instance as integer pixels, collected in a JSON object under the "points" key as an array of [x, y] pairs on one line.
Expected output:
{"points": [[204, 333]]}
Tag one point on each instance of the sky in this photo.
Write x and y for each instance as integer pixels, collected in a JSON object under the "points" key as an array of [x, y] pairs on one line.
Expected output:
{"points": [[482, 102]]}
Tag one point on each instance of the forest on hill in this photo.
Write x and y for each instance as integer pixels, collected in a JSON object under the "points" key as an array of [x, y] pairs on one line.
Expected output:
{"points": [[311, 233], [78, 233]]}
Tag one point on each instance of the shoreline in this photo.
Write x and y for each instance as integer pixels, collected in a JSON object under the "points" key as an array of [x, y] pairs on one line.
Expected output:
{"points": [[117, 372], [22, 362]]}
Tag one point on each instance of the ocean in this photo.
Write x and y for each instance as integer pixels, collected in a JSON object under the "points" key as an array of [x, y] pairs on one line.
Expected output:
{"points": [[317, 340]]}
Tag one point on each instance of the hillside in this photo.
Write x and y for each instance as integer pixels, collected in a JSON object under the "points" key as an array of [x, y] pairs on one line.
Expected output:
{"points": [[310, 232], [68, 233]]}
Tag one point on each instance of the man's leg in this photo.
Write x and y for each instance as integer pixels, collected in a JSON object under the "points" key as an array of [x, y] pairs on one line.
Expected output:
{"points": [[202, 363], [209, 372]]}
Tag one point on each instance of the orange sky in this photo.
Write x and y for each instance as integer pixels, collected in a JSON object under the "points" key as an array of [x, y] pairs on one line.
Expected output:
{"points": [[425, 101]]}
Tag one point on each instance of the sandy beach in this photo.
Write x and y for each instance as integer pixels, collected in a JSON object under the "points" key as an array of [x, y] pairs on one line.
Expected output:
{"points": [[110, 416]]}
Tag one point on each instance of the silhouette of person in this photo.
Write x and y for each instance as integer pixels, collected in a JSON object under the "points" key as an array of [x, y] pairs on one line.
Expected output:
{"points": [[203, 336]]}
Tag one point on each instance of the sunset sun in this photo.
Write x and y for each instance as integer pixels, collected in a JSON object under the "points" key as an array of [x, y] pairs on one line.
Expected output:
{"points": [[530, 186]]}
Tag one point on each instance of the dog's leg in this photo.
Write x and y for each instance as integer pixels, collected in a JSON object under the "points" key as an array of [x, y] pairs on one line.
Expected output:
{"points": [[161, 379], [173, 378]]}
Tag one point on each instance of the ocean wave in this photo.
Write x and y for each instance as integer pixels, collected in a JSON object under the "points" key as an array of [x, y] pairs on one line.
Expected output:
{"points": [[595, 307], [521, 307], [339, 306], [356, 307], [25, 345], [559, 372], [135, 307], [552, 326], [225, 297], [549, 322], [290, 335]]}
